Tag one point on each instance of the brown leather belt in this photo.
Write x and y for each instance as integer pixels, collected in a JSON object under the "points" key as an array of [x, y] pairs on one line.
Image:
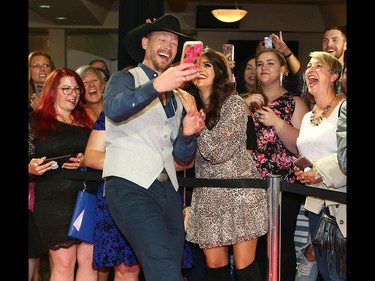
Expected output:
{"points": [[163, 177]]}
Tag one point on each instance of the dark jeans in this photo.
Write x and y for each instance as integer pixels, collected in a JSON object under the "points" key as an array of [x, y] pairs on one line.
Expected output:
{"points": [[151, 219]]}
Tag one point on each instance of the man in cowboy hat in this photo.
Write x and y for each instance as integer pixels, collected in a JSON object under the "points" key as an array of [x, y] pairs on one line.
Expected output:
{"points": [[145, 131]]}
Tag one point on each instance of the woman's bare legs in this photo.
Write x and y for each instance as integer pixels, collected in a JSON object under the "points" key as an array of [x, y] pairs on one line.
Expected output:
{"points": [[127, 273], [85, 271]]}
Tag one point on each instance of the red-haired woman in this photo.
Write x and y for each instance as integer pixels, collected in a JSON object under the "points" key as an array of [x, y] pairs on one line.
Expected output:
{"points": [[59, 126]]}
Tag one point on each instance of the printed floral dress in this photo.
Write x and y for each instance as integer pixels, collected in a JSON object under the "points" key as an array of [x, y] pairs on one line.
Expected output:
{"points": [[271, 156]]}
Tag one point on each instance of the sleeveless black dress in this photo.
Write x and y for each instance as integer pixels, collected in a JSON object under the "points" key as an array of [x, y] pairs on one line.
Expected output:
{"points": [[55, 196]]}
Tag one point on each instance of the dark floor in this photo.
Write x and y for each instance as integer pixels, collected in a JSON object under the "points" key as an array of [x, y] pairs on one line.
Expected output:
{"points": [[45, 273]]}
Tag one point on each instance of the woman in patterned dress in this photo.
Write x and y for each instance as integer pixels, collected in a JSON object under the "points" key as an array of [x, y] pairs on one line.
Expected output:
{"points": [[111, 249], [277, 125], [224, 217]]}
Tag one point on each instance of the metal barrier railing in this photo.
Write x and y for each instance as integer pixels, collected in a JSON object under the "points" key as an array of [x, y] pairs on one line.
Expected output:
{"points": [[274, 238], [273, 184]]}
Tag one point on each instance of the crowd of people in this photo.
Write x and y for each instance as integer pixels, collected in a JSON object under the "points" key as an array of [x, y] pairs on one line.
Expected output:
{"points": [[139, 125]]}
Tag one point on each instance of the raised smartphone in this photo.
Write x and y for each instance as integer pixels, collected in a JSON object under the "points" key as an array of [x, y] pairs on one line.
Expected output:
{"points": [[268, 42], [228, 51], [191, 52], [38, 90]]}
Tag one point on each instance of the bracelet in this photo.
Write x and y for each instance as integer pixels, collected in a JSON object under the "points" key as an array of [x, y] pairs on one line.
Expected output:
{"points": [[288, 55]]}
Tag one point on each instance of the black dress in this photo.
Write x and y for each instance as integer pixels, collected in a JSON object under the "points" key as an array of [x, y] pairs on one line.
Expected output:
{"points": [[55, 196]]}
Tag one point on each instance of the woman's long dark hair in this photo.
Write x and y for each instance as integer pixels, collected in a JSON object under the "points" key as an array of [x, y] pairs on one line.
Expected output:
{"points": [[221, 89], [240, 78]]}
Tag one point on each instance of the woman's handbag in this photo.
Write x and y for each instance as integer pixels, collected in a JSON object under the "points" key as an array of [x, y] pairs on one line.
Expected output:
{"points": [[329, 239], [83, 219]]}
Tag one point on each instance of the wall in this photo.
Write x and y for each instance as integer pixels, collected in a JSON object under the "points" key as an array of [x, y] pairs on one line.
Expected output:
{"points": [[76, 58], [303, 23]]}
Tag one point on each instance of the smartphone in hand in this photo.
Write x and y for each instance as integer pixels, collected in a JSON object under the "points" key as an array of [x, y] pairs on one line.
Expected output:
{"points": [[59, 160], [191, 52], [228, 51], [38, 90], [303, 164], [268, 42], [256, 105]]}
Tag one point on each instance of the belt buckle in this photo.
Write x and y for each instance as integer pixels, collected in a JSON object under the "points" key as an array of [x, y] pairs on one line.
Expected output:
{"points": [[162, 177]]}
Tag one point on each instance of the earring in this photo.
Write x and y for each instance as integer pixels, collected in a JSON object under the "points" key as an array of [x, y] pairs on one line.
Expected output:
{"points": [[281, 79]]}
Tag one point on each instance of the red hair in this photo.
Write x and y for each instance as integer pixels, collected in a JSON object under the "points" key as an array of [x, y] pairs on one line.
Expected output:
{"points": [[46, 114]]}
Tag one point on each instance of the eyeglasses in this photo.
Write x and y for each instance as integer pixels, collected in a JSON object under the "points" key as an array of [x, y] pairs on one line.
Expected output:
{"points": [[69, 90], [39, 66]]}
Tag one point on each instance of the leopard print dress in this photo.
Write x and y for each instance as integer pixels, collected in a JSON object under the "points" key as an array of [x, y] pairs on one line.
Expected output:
{"points": [[225, 216]]}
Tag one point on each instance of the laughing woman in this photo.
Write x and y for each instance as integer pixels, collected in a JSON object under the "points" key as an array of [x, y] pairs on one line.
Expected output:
{"points": [[224, 217]]}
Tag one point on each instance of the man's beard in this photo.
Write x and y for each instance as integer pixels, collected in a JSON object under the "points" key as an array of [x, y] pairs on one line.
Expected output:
{"points": [[160, 67]]}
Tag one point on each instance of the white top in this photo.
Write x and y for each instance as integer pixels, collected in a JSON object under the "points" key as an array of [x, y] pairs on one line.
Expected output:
{"points": [[316, 142]]}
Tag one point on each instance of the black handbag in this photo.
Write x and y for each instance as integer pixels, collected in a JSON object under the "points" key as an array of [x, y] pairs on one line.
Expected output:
{"points": [[329, 239]]}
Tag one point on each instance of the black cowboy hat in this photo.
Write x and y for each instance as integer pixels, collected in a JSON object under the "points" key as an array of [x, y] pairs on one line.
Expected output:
{"points": [[166, 22]]}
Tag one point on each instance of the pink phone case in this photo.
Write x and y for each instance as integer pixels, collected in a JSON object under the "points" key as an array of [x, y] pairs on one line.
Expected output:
{"points": [[191, 51]]}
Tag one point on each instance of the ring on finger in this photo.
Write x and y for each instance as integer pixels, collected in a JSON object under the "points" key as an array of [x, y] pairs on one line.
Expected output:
{"points": [[35, 165]]}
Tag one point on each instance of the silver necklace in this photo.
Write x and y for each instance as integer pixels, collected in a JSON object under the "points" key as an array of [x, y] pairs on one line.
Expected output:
{"points": [[315, 120]]}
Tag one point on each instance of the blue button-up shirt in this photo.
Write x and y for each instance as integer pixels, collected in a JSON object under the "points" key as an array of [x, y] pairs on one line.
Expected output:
{"points": [[122, 100]]}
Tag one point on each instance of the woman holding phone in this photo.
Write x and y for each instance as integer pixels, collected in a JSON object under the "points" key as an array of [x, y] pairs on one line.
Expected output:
{"points": [[60, 126], [220, 218], [279, 119]]}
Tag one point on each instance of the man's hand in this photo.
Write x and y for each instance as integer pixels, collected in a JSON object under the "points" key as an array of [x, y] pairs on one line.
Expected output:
{"points": [[175, 76]]}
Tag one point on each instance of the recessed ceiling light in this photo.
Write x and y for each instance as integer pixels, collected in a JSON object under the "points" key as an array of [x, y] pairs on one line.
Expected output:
{"points": [[61, 18], [45, 6]]}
